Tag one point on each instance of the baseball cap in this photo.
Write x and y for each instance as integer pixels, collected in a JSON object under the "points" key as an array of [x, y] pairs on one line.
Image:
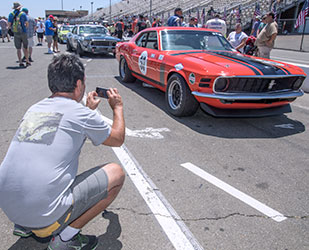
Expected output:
{"points": [[25, 10], [51, 16]]}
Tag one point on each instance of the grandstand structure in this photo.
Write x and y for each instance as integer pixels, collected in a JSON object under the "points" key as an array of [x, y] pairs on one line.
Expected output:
{"points": [[165, 8], [231, 10]]}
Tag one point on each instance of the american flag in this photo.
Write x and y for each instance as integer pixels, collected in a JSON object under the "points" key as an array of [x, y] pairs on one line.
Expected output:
{"points": [[203, 16], [238, 13], [275, 9], [302, 15], [257, 11]]}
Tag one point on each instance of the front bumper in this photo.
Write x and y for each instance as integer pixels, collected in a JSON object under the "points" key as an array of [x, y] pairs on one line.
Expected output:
{"points": [[251, 97], [99, 49]]}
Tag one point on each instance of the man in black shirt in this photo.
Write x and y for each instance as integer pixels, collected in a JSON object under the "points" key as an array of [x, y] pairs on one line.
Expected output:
{"points": [[141, 25]]}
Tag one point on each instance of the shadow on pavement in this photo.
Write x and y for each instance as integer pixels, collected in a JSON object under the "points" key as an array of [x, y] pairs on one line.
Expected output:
{"points": [[15, 67], [263, 127], [109, 240]]}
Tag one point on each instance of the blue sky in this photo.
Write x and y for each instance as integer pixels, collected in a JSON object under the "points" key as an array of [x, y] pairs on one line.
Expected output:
{"points": [[37, 8]]}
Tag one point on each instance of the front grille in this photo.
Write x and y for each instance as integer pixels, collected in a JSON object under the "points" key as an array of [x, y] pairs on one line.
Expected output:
{"points": [[102, 43], [257, 85]]}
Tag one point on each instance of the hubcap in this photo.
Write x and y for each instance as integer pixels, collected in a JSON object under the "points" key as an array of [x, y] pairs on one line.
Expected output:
{"points": [[174, 94]]}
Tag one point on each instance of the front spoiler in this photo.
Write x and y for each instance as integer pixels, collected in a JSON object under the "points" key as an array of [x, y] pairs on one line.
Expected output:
{"points": [[249, 113], [251, 96]]}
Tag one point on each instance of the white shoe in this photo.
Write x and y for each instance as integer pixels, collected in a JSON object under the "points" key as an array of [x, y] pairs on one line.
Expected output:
{"points": [[50, 52]]}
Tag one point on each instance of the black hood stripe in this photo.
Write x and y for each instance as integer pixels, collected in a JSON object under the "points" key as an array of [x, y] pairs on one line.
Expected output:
{"points": [[227, 58], [265, 69]]}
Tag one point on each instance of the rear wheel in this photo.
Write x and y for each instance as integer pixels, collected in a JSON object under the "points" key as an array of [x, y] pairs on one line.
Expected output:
{"points": [[125, 72], [69, 47], [180, 101]]}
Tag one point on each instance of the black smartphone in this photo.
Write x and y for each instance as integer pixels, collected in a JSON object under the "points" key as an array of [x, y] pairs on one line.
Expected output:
{"points": [[102, 92]]}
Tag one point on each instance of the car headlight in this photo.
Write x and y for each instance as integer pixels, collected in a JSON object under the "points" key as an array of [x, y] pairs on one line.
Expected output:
{"points": [[86, 42], [221, 84], [297, 84]]}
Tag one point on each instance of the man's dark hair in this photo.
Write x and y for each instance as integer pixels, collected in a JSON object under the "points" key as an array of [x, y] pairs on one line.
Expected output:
{"points": [[63, 73], [176, 10], [272, 14], [141, 16]]}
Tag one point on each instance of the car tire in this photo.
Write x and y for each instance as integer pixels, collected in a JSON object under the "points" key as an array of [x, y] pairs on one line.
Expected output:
{"points": [[79, 50], [124, 71], [178, 97], [69, 47]]}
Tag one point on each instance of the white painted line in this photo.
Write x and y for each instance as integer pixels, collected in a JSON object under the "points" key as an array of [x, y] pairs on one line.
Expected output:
{"points": [[273, 214], [293, 63], [89, 60], [300, 106], [289, 59], [177, 232]]}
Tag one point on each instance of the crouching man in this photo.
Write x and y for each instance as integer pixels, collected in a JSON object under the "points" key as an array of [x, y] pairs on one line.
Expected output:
{"points": [[40, 190]]}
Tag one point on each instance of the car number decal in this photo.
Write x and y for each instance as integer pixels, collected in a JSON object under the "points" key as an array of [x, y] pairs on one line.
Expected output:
{"points": [[178, 66], [142, 62], [192, 78]]}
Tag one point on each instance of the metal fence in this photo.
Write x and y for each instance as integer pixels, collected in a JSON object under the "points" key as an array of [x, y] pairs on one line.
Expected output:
{"points": [[291, 38]]}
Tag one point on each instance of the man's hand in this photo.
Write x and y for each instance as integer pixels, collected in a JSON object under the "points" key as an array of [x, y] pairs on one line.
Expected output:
{"points": [[92, 102], [114, 99]]}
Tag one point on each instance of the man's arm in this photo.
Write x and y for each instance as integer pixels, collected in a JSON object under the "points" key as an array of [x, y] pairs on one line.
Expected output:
{"points": [[117, 135], [272, 38]]}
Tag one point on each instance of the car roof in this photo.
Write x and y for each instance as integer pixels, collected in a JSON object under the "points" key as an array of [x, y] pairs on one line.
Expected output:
{"points": [[180, 28]]}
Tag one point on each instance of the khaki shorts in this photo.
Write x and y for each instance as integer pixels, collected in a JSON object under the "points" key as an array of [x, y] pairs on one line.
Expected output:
{"points": [[264, 51], [88, 189], [4, 32], [30, 42], [20, 38], [49, 39]]}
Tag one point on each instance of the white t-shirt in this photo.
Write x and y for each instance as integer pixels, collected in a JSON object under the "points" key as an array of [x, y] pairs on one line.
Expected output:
{"points": [[42, 160], [235, 39], [217, 24], [40, 27]]}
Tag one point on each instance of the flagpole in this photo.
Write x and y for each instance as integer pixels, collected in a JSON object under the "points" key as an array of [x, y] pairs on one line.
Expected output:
{"points": [[302, 38]]}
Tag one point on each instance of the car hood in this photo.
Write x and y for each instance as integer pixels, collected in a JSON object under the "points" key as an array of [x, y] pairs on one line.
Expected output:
{"points": [[64, 32], [100, 37], [234, 63]]}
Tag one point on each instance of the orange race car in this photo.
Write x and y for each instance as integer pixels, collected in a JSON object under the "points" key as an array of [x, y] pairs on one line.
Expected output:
{"points": [[198, 67]]}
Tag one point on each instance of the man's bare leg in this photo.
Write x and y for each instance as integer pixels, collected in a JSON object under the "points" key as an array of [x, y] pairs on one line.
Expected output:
{"points": [[19, 55], [116, 178]]}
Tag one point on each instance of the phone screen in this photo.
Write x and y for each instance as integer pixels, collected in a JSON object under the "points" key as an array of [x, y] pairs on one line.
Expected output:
{"points": [[102, 92]]}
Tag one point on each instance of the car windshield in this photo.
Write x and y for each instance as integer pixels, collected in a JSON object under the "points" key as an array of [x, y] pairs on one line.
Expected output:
{"points": [[193, 40], [92, 30], [69, 28]]}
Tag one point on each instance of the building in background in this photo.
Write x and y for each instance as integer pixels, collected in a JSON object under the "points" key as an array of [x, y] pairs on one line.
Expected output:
{"points": [[66, 15]]}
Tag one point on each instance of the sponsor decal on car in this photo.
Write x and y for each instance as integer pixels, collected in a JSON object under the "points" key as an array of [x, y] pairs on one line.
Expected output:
{"points": [[153, 56], [161, 57], [142, 62], [192, 78], [178, 66]]}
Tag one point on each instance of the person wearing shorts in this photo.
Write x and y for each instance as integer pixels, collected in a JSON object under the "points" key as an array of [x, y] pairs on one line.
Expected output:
{"points": [[55, 36], [30, 33], [4, 29], [49, 32], [19, 22], [40, 191], [40, 29]]}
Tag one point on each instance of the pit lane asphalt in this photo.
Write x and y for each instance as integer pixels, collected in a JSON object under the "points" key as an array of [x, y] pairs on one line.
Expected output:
{"points": [[265, 158]]}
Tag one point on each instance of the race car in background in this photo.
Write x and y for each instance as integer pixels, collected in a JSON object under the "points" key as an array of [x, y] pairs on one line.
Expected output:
{"points": [[63, 31], [198, 67]]}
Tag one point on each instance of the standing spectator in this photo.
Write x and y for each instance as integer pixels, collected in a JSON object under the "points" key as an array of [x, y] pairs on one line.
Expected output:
{"points": [[55, 36], [175, 20], [4, 29], [40, 29], [192, 22], [156, 22], [18, 22], [238, 38], [40, 190], [262, 25], [148, 23], [141, 24], [266, 38], [255, 26], [217, 24], [49, 32], [134, 23], [30, 33], [120, 28]]}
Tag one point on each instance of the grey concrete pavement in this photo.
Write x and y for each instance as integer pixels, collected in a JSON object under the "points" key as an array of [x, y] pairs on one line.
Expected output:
{"points": [[292, 42], [265, 158]]}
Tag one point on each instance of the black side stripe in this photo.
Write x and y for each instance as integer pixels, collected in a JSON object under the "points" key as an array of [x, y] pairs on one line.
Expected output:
{"points": [[149, 79]]}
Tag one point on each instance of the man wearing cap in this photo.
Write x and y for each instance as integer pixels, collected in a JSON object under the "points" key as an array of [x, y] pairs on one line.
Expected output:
{"points": [[40, 29], [49, 32], [30, 33], [18, 22], [255, 26], [175, 20]]}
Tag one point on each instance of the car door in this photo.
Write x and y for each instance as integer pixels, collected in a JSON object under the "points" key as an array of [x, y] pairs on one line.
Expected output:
{"points": [[71, 35], [75, 36], [139, 56]]}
